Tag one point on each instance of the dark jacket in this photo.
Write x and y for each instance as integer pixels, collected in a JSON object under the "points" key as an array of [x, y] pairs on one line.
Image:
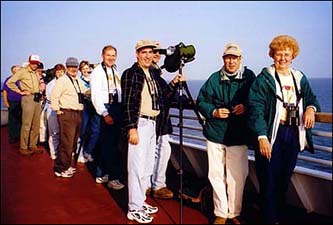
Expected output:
{"points": [[263, 106], [219, 93], [132, 81]]}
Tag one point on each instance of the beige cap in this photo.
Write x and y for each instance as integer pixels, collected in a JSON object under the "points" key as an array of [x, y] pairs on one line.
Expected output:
{"points": [[145, 43], [232, 49]]}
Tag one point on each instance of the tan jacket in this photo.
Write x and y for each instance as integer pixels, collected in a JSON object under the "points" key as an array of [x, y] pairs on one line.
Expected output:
{"points": [[65, 94], [29, 80]]}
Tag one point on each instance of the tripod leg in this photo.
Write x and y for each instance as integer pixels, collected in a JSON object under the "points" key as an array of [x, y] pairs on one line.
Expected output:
{"points": [[201, 121]]}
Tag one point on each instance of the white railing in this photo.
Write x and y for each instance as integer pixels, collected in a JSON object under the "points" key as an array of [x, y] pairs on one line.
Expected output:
{"points": [[321, 160]]}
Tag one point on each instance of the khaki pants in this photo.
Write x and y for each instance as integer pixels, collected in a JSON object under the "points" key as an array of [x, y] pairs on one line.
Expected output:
{"points": [[30, 122], [228, 169]]}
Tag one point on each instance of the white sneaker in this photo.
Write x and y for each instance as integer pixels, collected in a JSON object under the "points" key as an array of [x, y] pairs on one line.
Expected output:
{"points": [[88, 157], [149, 209], [115, 184], [139, 216], [71, 170], [65, 174], [101, 180], [82, 159]]}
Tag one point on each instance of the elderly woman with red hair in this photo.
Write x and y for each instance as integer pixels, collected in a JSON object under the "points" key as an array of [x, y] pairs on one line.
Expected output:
{"points": [[282, 110]]}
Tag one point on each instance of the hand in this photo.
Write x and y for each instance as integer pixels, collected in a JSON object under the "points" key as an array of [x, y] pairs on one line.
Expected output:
{"points": [[238, 109], [178, 78], [59, 112], [133, 136], [309, 118], [26, 93], [265, 148], [221, 113], [108, 120]]}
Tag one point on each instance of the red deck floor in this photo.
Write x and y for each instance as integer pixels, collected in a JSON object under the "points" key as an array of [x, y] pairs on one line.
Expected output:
{"points": [[30, 193]]}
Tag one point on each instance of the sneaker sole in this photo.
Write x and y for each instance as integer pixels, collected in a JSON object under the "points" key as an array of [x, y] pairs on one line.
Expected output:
{"points": [[130, 217], [59, 175], [116, 188]]}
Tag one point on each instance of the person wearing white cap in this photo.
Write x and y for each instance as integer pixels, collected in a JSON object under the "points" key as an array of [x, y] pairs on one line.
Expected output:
{"points": [[222, 100], [31, 96], [140, 99]]}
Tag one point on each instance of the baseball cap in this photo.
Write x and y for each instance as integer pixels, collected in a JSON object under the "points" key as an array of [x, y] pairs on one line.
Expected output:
{"points": [[71, 61], [145, 43], [232, 49], [34, 59]]}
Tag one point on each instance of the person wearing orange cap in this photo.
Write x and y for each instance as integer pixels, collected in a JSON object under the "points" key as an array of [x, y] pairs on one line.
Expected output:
{"points": [[30, 91]]}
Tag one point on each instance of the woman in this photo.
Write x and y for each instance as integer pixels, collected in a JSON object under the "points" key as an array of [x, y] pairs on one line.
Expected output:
{"points": [[53, 126], [282, 110]]}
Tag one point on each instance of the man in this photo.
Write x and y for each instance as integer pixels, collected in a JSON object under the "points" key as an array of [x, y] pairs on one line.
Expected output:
{"points": [[31, 96], [67, 101], [106, 98], [222, 101], [159, 188], [12, 101], [140, 99]]}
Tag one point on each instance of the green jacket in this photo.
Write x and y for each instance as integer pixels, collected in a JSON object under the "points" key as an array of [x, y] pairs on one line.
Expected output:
{"points": [[218, 92], [263, 105]]}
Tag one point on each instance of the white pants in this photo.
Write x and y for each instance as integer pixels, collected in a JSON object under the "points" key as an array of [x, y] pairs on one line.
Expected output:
{"points": [[43, 135], [140, 163], [228, 169], [162, 155], [54, 133]]}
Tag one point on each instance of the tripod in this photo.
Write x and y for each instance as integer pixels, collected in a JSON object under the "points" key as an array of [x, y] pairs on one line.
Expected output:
{"points": [[191, 104]]}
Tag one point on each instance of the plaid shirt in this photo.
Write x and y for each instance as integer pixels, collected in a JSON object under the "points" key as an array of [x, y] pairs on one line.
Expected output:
{"points": [[132, 81]]}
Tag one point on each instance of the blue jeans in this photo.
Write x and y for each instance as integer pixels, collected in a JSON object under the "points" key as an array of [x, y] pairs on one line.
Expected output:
{"points": [[109, 156], [274, 175], [162, 156], [91, 123]]}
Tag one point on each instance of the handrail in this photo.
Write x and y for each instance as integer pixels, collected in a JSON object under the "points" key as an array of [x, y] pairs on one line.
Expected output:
{"points": [[321, 117]]}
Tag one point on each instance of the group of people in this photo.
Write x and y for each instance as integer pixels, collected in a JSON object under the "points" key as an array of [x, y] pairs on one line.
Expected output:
{"points": [[273, 113]]}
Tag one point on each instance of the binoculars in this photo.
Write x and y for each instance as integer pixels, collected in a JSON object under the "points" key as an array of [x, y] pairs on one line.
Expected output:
{"points": [[37, 97], [292, 114]]}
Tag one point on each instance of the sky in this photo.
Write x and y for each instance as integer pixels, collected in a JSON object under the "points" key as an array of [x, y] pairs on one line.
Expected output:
{"points": [[57, 30]]}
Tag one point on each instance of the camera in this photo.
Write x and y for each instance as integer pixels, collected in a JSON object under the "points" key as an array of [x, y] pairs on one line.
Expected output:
{"points": [[292, 114], [37, 97], [176, 55], [113, 98], [81, 98]]}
